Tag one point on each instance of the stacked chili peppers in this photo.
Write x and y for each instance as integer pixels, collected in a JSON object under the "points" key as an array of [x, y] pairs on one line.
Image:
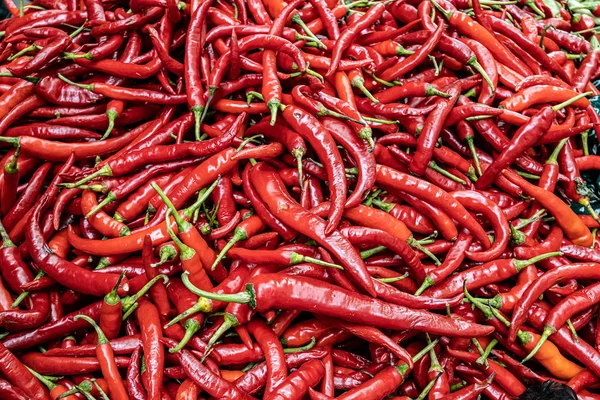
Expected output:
{"points": [[304, 199]]}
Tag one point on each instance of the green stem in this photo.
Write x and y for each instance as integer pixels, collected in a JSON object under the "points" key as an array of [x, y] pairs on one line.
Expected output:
{"points": [[102, 339], [167, 253], [248, 140], [296, 258], [203, 195], [110, 197], [306, 347], [112, 115], [413, 243], [471, 145], [229, 321], [394, 279], [359, 83], [298, 21], [427, 283], [89, 87], [23, 51], [202, 305], [182, 224], [433, 165], [245, 297], [99, 389], [131, 301], [486, 353], [191, 326], [571, 101], [371, 252], [520, 264]]}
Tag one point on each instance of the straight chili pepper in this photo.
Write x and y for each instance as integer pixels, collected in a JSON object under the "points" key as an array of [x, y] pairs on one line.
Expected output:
{"points": [[105, 356]]}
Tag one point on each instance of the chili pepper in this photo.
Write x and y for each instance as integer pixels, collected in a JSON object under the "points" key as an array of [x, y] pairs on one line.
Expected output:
{"points": [[100, 220], [315, 289], [133, 382], [60, 151], [547, 181], [105, 356], [470, 28], [524, 138], [20, 376], [27, 198], [125, 94], [483, 274], [411, 89], [311, 130], [390, 178], [193, 84], [139, 200], [347, 37], [302, 332], [252, 381], [150, 327], [70, 366], [21, 109], [184, 302], [298, 382], [569, 306], [569, 222], [11, 392], [9, 186], [262, 178], [204, 378], [542, 94], [268, 341], [415, 59], [430, 133]]}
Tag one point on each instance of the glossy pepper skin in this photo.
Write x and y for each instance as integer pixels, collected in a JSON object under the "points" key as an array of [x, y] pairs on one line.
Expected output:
{"points": [[267, 290], [271, 189]]}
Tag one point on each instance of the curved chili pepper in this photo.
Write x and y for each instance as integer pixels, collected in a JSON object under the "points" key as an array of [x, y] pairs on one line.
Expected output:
{"points": [[414, 59], [311, 130], [276, 370], [203, 377], [263, 178], [581, 270], [347, 37], [490, 272], [20, 376], [390, 178], [11, 182], [567, 219], [430, 132], [27, 198], [542, 94], [470, 28], [150, 327], [480, 203], [100, 220]]}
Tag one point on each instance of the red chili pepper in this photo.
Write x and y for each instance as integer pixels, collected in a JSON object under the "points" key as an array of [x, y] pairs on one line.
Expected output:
{"points": [[275, 288], [470, 28], [390, 178], [263, 177], [150, 327], [105, 356], [430, 132], [311, 130]]}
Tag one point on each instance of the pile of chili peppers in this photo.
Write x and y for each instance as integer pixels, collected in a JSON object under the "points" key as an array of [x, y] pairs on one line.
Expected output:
{"points": [[302, 199]]}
